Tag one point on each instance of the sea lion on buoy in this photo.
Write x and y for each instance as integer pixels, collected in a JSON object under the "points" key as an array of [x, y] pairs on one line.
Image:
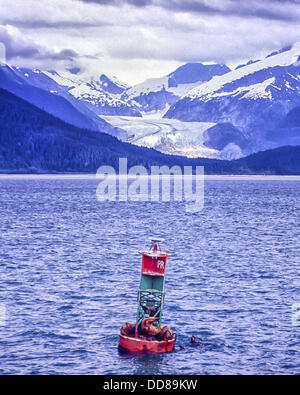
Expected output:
{"points": [[148, 321], [127, 329], [167, 333], [149, 328]]}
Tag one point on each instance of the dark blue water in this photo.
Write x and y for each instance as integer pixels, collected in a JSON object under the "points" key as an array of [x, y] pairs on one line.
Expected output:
{"points": [[70, 271]]}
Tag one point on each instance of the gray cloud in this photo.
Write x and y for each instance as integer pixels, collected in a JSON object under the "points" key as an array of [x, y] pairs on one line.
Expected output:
{"points": [[136, 3], [44, 24], [251, 8], [65, 54], [17, 46]]}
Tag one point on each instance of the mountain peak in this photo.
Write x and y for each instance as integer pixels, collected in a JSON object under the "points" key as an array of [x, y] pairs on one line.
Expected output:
{"points": [[156, 94], [194, 72]]}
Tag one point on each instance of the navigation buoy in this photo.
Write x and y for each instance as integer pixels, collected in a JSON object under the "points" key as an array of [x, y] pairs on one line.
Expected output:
{"points": [[147, 334]]}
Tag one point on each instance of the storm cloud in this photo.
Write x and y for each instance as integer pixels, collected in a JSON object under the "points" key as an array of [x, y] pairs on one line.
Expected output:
{"points": [[138, 39], [16, 47], [265, 9]]}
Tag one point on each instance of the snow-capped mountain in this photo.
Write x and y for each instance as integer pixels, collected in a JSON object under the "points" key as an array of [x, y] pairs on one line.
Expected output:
{"points": [[101, 95], [16, 82], [253, 98], [106, 82], [159, 93], [39, 89]]}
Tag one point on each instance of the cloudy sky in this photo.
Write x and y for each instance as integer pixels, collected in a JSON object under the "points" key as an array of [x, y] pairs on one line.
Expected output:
{"points": [[138, 39]]}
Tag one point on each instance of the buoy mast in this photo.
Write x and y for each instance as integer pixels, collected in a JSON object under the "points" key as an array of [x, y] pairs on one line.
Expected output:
{"points": [[152, 286]]}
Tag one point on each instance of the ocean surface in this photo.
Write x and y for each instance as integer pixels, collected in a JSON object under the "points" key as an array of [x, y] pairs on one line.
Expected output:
{"points": [[70, 271]]}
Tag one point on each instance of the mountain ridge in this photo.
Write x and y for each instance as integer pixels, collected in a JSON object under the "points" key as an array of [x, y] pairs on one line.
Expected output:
{"points": [[254, 98], [33, 141]]}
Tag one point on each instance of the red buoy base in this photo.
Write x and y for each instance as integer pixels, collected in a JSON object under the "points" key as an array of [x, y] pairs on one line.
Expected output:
{"points": [[138, 344]]}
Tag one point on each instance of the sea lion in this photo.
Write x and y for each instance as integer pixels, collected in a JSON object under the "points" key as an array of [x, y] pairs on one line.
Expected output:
{"points": [[196, 342], [167, 333], [150, 328], [148, 321], [128, 329]]}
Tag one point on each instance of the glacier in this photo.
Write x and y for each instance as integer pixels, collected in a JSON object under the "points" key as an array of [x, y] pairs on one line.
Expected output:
{"points": [[173, 137]]}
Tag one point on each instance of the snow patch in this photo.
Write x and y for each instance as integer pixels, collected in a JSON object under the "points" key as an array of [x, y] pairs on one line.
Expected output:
{"points": [[259, 90]]}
